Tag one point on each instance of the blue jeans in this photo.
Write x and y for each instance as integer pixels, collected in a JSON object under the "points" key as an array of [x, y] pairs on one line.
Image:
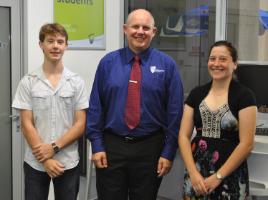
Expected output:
{"points": [[66, 186]]}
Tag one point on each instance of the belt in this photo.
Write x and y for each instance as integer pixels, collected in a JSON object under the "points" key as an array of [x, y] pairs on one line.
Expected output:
{"points": [[133, 139]]}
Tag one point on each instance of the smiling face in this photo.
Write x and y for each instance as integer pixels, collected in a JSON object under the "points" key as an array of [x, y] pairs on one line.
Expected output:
{"points": [[139, 30], [53, 47], [220, 63]]}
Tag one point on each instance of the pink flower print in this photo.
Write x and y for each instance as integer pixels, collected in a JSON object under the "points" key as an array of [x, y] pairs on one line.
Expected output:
{"points": [[193, 147], [203, 145], [215, 157]]}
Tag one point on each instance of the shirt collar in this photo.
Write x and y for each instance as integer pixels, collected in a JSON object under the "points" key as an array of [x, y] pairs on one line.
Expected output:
{"points": [[144, 55], [66, 73]]}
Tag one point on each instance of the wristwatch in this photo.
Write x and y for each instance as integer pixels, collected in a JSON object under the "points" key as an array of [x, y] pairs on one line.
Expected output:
{"points": [[55, 147], [219, 176]]}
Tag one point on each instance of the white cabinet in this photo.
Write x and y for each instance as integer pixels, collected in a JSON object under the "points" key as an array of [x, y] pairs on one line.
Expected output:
{"points": [[258, 167]]}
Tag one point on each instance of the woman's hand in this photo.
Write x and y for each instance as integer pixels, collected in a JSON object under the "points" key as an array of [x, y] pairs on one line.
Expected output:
{"points": [[212, 182], [198, 183]]}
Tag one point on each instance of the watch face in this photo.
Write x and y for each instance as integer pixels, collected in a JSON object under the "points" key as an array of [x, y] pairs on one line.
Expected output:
{"points": [[218, 175], [55, 148]]}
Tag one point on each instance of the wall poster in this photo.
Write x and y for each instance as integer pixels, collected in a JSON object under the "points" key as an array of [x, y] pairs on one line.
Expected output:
{"points": [[84, 22]]}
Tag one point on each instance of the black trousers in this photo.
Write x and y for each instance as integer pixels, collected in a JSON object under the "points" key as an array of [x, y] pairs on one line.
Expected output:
{"points": [[132, 169]]}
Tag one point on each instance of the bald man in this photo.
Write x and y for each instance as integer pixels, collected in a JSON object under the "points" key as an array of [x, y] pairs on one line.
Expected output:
{"points": [[134, 114]]}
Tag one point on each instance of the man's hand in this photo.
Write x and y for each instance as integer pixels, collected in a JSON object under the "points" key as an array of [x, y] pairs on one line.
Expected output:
{"points": [[53, 168], [100, 160], [43, 152], [163, 167]]}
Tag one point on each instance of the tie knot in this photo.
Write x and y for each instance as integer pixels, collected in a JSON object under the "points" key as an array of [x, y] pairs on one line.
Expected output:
{"points": [[137, 59]]}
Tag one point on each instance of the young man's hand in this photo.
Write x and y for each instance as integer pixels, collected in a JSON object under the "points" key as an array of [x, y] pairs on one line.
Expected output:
{"points": [[53, 168], [43, 152]]}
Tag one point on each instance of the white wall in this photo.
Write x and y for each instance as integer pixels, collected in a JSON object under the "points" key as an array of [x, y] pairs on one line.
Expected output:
{"points": [[84, 62]]}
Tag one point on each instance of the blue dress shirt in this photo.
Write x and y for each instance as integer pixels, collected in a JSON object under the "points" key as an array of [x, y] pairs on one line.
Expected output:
{"points": [[161, 98]]}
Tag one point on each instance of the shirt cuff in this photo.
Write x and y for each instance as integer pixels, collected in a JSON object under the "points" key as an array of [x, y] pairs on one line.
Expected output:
{"points": [[97, 146], [169, 151]]}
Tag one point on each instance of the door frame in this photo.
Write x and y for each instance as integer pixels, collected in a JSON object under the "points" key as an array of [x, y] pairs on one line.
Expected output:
{"points": [[16, 21]]}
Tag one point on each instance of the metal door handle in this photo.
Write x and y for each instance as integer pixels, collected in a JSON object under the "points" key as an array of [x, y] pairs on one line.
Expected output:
{"points": [[14, 117]]}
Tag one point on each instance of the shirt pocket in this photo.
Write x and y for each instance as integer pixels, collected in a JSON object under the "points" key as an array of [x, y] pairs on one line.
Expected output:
{"points": [[67, 99], [41, 100], [158, 80]]}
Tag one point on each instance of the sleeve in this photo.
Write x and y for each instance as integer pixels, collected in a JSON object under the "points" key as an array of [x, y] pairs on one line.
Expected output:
{"points": [[81, 99], [22, 99], [95, 114], [174, 113], [247, 98], [192, 97]]}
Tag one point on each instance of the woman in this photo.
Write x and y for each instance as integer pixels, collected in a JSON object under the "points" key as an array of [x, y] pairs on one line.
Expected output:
{"points": [[223, 113]]}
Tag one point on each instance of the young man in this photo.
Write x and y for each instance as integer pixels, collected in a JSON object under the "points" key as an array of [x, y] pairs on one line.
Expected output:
{"points": [[52, 102], [134, 114]]}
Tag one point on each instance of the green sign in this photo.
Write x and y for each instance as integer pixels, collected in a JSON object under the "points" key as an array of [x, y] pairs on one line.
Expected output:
{"points": [[83, 20]]}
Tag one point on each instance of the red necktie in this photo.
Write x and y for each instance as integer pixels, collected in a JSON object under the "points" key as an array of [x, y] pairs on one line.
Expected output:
{"points": [[132, 110]]}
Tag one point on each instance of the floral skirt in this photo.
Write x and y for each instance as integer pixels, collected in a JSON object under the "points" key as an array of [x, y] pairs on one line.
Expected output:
{"points": [[209, 155]]}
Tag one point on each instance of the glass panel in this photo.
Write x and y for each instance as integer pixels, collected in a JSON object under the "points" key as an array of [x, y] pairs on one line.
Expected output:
{"points": [[247, 28], [186, 29]]}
